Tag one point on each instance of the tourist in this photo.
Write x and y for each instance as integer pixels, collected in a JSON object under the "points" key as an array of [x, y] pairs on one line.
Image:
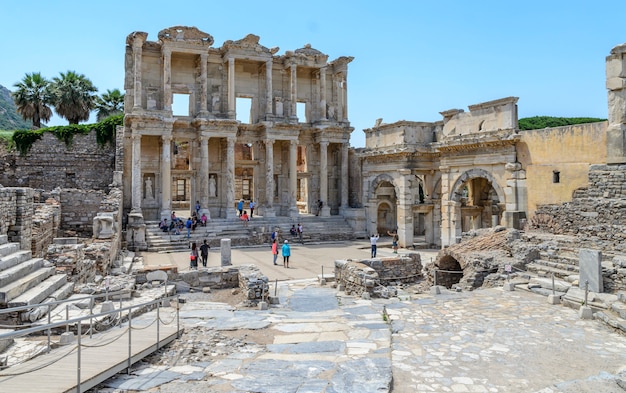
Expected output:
{"points": [[373, 240], [163, 225], [293, 231], [275, 250], [275, 234], [197, 207], [240, 207], [193, 257], [244, 218], [320, 205], [300, 230], [252, 206], [394, 240], [204, 253], [173, 217], [188, 225], [286, 253], [203, 219]]}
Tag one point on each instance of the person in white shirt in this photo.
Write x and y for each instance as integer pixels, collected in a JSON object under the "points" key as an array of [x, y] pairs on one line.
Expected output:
{"points": [[373, 240]]}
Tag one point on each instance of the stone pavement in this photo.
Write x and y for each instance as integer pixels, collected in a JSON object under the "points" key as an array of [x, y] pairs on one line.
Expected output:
{"points": [[320, 340]]}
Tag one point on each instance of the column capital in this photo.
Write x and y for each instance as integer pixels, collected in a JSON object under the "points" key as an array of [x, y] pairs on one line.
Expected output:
{"points": [[269, 141], [324, 143], [167, 138], [204, 139], [231, 139]]}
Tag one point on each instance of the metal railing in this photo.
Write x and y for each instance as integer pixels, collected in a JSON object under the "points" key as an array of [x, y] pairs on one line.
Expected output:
{"points": [[157, 303]]}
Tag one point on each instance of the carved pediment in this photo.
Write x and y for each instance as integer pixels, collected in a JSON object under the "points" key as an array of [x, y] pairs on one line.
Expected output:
{"points": [[249, 43], [187, 34]]}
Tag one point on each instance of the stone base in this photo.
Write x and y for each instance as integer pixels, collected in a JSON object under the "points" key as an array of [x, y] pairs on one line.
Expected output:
{"points": [[274, 300], [585, 312], [269, 212], [263, 305], [554, 299], [66, 338], [107, 306], [508, 286], [436, 290]]}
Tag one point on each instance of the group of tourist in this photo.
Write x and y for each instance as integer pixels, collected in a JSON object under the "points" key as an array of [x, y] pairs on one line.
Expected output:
{"points": [[241, 212], [203, 255], [285, 249], [177, 225]]}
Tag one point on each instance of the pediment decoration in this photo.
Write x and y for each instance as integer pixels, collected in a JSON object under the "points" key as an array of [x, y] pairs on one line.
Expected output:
{"points": [[186, 34], [249, 43]]}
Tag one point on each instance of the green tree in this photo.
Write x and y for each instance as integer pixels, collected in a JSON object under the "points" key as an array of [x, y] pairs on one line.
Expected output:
{"points": [[33, 98], [74, 96], [109, 104]]}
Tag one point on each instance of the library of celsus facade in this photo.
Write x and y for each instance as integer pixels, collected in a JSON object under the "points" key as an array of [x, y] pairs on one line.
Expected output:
{"points": [[183, 141]]}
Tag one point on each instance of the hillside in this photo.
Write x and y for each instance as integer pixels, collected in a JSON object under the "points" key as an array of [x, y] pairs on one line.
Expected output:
{"points": [[9, 118]]}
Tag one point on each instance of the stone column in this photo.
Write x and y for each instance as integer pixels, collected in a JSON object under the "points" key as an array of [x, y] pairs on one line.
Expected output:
{"points": [[294, 91], [231, 88], [616, 85], [405, 209], [269, 175], [166, 177], [137, 76], [204, 112], [323, 93], [268, 87], [167, 80], [225, 253], [136, 173], [230, 177], [204, 176], [344, 98], [345, 177], [293, 178], [324, 178]]}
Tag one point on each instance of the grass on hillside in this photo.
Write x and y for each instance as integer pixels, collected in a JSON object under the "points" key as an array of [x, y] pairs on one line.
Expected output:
{"points": [[5, 138]]}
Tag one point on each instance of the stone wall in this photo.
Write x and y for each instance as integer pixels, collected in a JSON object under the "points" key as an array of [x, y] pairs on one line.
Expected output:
{"points": [[374, 276], [16, 215], [597, 214], [79, 209], [68, 256], [46, 223], [50, 164]]}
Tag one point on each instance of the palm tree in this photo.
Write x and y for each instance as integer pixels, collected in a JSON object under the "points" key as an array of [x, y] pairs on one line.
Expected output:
{"points": [[73, 96], [32, 98], [109, 104]]}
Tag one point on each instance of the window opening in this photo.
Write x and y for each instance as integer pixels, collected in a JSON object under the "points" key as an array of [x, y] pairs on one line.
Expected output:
{"points": [[244, 109], [301, 112], [180, 104], [556, 177]]}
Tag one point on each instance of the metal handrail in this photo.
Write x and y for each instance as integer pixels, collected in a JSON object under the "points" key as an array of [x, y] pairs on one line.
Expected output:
{"points": [[77, 321], [68, 300]]}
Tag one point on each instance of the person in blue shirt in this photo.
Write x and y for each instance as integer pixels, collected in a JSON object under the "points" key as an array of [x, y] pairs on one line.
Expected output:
{"points": [[188, 225], [286, 251], [240, 207], [252, 206]]}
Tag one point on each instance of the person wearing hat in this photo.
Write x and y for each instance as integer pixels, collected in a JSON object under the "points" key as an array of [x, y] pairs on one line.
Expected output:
{"points": [[286, 253]]}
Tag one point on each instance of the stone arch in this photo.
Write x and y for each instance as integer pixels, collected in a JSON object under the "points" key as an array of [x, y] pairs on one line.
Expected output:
{"points": [[456, 190], [385, 217], [450, 271], [377, 182]]}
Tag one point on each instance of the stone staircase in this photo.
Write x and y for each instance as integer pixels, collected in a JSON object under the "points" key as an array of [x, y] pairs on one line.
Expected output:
{"points": [[615, 315], [563, 264], [26, 281], [258, 231]]}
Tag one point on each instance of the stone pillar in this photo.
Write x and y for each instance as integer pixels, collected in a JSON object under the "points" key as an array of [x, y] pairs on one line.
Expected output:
{"points": [[204, 176], [616, 85], [230, 177], [167, 80], [136, 173], [294, 91], [344, 98], [324, 178], [405, 209], [269, 176], [204, 111], [166, 177], [231, 88], [337, 97], [137, 76], [268, 88], [293, 178], [225, 252], [323, 93], [345, 177]]}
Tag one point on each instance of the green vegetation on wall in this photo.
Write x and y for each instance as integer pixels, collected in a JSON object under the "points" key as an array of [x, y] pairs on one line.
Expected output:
{"points": [[539, 122], [105, 133]]}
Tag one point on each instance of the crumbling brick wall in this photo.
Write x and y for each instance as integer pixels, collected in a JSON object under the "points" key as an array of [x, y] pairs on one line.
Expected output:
{"points": [[16, 215], [46, 223], [50, 164]]}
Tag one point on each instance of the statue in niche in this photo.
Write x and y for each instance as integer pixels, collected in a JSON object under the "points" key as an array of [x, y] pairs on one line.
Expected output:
{"points": [[212, 186], [148, 189], [215, 102], [331, 112]]}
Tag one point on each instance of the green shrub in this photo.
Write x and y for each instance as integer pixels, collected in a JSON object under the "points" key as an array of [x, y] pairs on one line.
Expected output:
{"points": [[539, 122]]}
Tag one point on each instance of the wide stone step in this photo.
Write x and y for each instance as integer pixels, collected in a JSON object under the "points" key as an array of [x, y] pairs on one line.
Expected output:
{"points": [[8, 248], [619, 309], [39, 292], [36, 313], [546, 271], [14, 259], [16, 288], [18, 271], [557, 265], [4, 239], [611, 319]]}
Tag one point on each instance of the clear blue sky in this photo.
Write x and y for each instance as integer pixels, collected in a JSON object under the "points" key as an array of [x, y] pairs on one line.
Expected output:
{"points": [[412, 59]]}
